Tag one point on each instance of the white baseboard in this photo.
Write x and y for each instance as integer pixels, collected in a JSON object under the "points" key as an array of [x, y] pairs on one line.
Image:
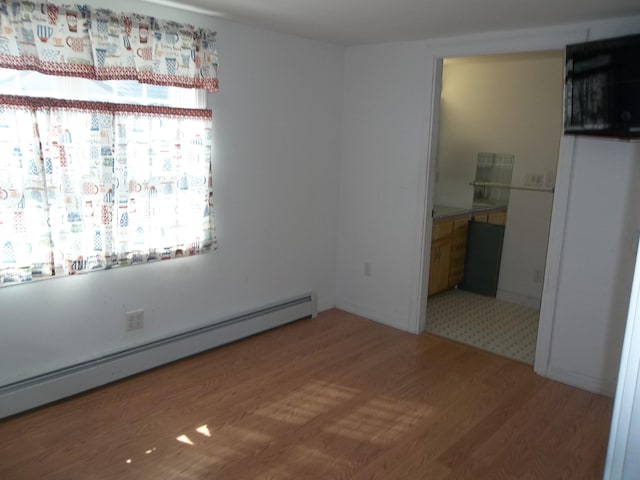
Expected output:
{"points": [[518, 299], [42, 389], [386, 318], [585, 382]]}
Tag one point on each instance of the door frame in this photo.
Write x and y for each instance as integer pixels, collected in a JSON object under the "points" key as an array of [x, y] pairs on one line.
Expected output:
{"points": [[621, 462], [491, 44]]}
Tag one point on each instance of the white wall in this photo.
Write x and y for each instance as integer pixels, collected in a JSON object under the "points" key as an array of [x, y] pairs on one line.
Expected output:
{"points": [[283, 105], [596, 268], [623, 455], [277, 122], [383, 169], [509, 104], [383, 199]]}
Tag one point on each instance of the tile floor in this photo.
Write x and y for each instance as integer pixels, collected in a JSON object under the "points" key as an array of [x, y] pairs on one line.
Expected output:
{"points": [[503, 328]]}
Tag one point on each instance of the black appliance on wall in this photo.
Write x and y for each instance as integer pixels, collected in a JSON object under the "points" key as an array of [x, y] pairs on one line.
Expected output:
{"points": [[602, 88]]}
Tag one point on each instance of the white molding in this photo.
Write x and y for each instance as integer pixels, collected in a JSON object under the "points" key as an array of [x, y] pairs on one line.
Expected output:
{"points": [[388, 318], [518, 299], [39, 390], [513, 41], [628, 388], [585, 382], [520, 41], [555, 247], [417, 324]]}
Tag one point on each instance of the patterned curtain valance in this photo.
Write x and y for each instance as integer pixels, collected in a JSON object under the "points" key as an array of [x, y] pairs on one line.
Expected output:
{"points": [[79, 41]]}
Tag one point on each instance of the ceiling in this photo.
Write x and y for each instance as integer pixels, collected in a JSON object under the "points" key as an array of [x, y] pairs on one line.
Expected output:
{"points": [[352, 22]]}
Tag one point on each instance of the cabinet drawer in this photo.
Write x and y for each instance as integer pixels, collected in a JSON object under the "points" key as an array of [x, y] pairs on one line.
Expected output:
{"points": [[441, 230], [498, 218]]}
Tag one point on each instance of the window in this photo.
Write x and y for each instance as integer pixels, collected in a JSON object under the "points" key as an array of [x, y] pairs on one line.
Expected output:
{"points": [[94, 185], [34, 84]]}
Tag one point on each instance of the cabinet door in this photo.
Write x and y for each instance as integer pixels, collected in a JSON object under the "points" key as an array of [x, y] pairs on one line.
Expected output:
{"points": [[439, 269], [458, 252]]}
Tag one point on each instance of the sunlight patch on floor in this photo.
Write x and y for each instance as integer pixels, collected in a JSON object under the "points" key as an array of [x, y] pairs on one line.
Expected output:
{"points": [[185, 439], [310, 401], [380, 420]]}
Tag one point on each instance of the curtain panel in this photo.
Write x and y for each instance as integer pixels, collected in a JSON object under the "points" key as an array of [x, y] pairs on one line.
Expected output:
{"points": [[91, 186], [77, 40]]}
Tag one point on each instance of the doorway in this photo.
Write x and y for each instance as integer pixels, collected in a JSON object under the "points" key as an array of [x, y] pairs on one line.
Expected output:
{"points": [[502, 105]]}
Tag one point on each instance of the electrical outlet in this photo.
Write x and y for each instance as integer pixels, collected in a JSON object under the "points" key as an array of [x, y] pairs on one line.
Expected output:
{"points": [[135, 319]]}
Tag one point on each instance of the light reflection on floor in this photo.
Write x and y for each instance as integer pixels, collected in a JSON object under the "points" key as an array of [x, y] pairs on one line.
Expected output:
{"points": [[374, 421]]}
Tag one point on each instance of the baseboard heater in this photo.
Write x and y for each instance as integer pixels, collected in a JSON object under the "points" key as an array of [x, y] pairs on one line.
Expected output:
{"points": [[42, 389]]}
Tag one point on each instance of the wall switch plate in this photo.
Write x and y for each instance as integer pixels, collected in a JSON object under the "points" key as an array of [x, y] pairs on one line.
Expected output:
{"points": [[534, 179], [135, 320]]}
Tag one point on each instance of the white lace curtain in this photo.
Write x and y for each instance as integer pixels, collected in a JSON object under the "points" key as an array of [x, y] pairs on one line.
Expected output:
{"points": [[77, 40], [90, 186]]}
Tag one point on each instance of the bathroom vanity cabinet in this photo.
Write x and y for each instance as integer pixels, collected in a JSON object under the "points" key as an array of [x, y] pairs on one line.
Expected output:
{"points": [[449, 245]]}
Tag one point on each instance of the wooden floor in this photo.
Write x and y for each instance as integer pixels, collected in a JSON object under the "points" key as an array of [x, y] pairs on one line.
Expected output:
{"points": [[338, 397]]}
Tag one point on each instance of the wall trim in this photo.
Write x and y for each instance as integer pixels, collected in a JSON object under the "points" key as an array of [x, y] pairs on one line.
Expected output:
{"points": [[627, 391], [500, 43], [388, 318], [41, 389], [557, 231], [585, 382], [518, 299]]}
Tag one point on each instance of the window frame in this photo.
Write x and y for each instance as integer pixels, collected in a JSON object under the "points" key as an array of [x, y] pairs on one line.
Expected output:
{"points": [[58, 90], [76, 88]]}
